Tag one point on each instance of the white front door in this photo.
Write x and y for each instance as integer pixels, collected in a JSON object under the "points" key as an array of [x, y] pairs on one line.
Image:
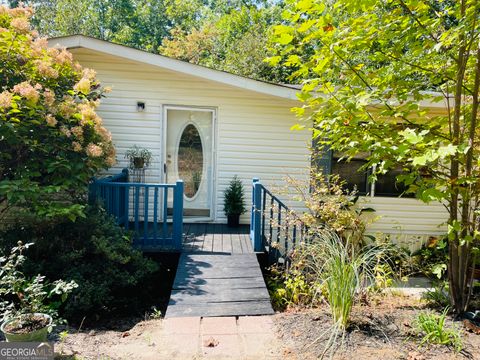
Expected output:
{"points": [[189, 157]]}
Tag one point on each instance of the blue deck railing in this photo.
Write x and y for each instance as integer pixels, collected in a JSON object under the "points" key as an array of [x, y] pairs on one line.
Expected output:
{"points": [[153, 211], [274, 228]]}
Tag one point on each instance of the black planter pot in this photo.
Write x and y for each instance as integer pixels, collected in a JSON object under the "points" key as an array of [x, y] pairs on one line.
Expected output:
{"points": [[233, 220], [138, 162]]}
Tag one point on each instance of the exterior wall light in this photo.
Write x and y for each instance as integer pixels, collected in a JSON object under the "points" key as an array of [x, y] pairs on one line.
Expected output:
{"points": [[140, 106]]}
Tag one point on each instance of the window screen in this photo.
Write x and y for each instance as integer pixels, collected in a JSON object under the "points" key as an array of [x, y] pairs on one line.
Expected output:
{"points": [[351, 173], [387, 185]]}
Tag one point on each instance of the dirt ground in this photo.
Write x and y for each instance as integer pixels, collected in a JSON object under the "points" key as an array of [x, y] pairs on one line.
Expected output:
{"points": [[121, 341], [381, 329]]}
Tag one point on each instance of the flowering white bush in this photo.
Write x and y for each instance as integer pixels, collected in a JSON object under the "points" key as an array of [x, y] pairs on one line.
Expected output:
{"points": [[51, 139]]}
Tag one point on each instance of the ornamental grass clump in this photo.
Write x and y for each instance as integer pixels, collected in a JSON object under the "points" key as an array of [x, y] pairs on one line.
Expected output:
{"points": [[344, 271]]}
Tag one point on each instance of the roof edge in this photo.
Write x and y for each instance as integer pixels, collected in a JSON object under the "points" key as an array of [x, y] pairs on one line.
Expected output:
{"points": [[82, 41]]}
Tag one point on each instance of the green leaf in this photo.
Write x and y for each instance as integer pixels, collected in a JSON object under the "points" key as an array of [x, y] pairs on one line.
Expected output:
{"points": [[297, 127], [293, 60], [284, 39], [432, 194], [273, 60], [438, 270], [304, 5], [411, 136], [448, 150], [420, 160]]}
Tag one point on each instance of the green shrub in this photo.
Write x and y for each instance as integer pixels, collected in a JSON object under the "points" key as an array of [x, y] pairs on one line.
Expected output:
{"points": [[234, 198], [433, 330], [21, 296], [431, 260], [51, 140], [290, 288], [439, 296], [330, 204], [95, 253]]}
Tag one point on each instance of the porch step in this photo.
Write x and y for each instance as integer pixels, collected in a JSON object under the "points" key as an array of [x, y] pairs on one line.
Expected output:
{"points": [[209, 284]]}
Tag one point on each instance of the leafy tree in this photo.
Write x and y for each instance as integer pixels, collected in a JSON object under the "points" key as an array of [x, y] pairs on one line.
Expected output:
{"points": [[137, 23], [61, 17], [51, 140], [235, 42], [226, 35], [369, 68]]}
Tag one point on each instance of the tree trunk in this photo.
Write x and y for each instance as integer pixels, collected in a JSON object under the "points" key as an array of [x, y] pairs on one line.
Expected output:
{"points": [[456, 266]]}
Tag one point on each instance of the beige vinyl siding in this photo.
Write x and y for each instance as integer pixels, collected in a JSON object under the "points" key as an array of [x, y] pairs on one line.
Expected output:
{"points": [[409, 222], [252, 130]]}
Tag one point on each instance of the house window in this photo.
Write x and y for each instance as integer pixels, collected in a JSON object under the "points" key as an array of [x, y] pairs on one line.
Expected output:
{"points": [[387, 185], [351, 171]]}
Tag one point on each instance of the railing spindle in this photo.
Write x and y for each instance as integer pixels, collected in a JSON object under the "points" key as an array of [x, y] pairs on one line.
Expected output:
{"points": [[272, 203], [264, 200], [155, 212], [145, 215], [116, 190], [294, 235], [136, 207], [107, 201], [286, 231], [127, 207], [165, 215], [279, 222]]}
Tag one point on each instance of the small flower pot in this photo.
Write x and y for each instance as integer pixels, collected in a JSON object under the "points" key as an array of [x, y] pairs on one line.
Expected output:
{"points": [[233, 220], [37, 335], [139, 163]]}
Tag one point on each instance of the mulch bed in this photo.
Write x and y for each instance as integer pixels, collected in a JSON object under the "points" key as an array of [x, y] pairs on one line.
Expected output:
{"points": [[381, 329]]}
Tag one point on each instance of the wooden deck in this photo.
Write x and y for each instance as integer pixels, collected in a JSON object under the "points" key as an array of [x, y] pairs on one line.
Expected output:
{"points": [[218, 275], [217, 238]]}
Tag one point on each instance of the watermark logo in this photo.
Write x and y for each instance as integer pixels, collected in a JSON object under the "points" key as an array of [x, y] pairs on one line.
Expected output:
{"points": [[26, 351]]}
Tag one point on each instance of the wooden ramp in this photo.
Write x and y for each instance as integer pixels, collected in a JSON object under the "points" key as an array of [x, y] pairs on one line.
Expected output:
{"points": [[218, 283]]}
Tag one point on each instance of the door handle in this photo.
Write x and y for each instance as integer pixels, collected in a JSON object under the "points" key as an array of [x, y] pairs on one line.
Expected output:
{"points": [[165, 168]]}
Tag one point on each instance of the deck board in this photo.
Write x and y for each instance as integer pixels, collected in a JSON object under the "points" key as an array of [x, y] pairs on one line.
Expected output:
{"points": [[218, 275]]}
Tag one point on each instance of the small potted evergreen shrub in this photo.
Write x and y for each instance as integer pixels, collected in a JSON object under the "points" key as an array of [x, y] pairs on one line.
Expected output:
{"points": [[28, 306], [139, 158], [234, 202]]}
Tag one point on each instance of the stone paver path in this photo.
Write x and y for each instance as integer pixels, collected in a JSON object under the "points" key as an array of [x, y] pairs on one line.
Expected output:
{"points": [[181, 338], [246, 337]]}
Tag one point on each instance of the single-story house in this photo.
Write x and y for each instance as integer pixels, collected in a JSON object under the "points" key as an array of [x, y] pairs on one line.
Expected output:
{"points": [[232, 124]]}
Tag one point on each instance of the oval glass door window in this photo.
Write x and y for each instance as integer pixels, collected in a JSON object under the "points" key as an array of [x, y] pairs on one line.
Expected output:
{"points": [[190, 160]]}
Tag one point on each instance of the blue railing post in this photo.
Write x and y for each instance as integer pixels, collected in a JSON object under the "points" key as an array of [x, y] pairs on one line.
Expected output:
{"points": [[252, 209], [256, 216], [124, 175], [177, 231]]}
